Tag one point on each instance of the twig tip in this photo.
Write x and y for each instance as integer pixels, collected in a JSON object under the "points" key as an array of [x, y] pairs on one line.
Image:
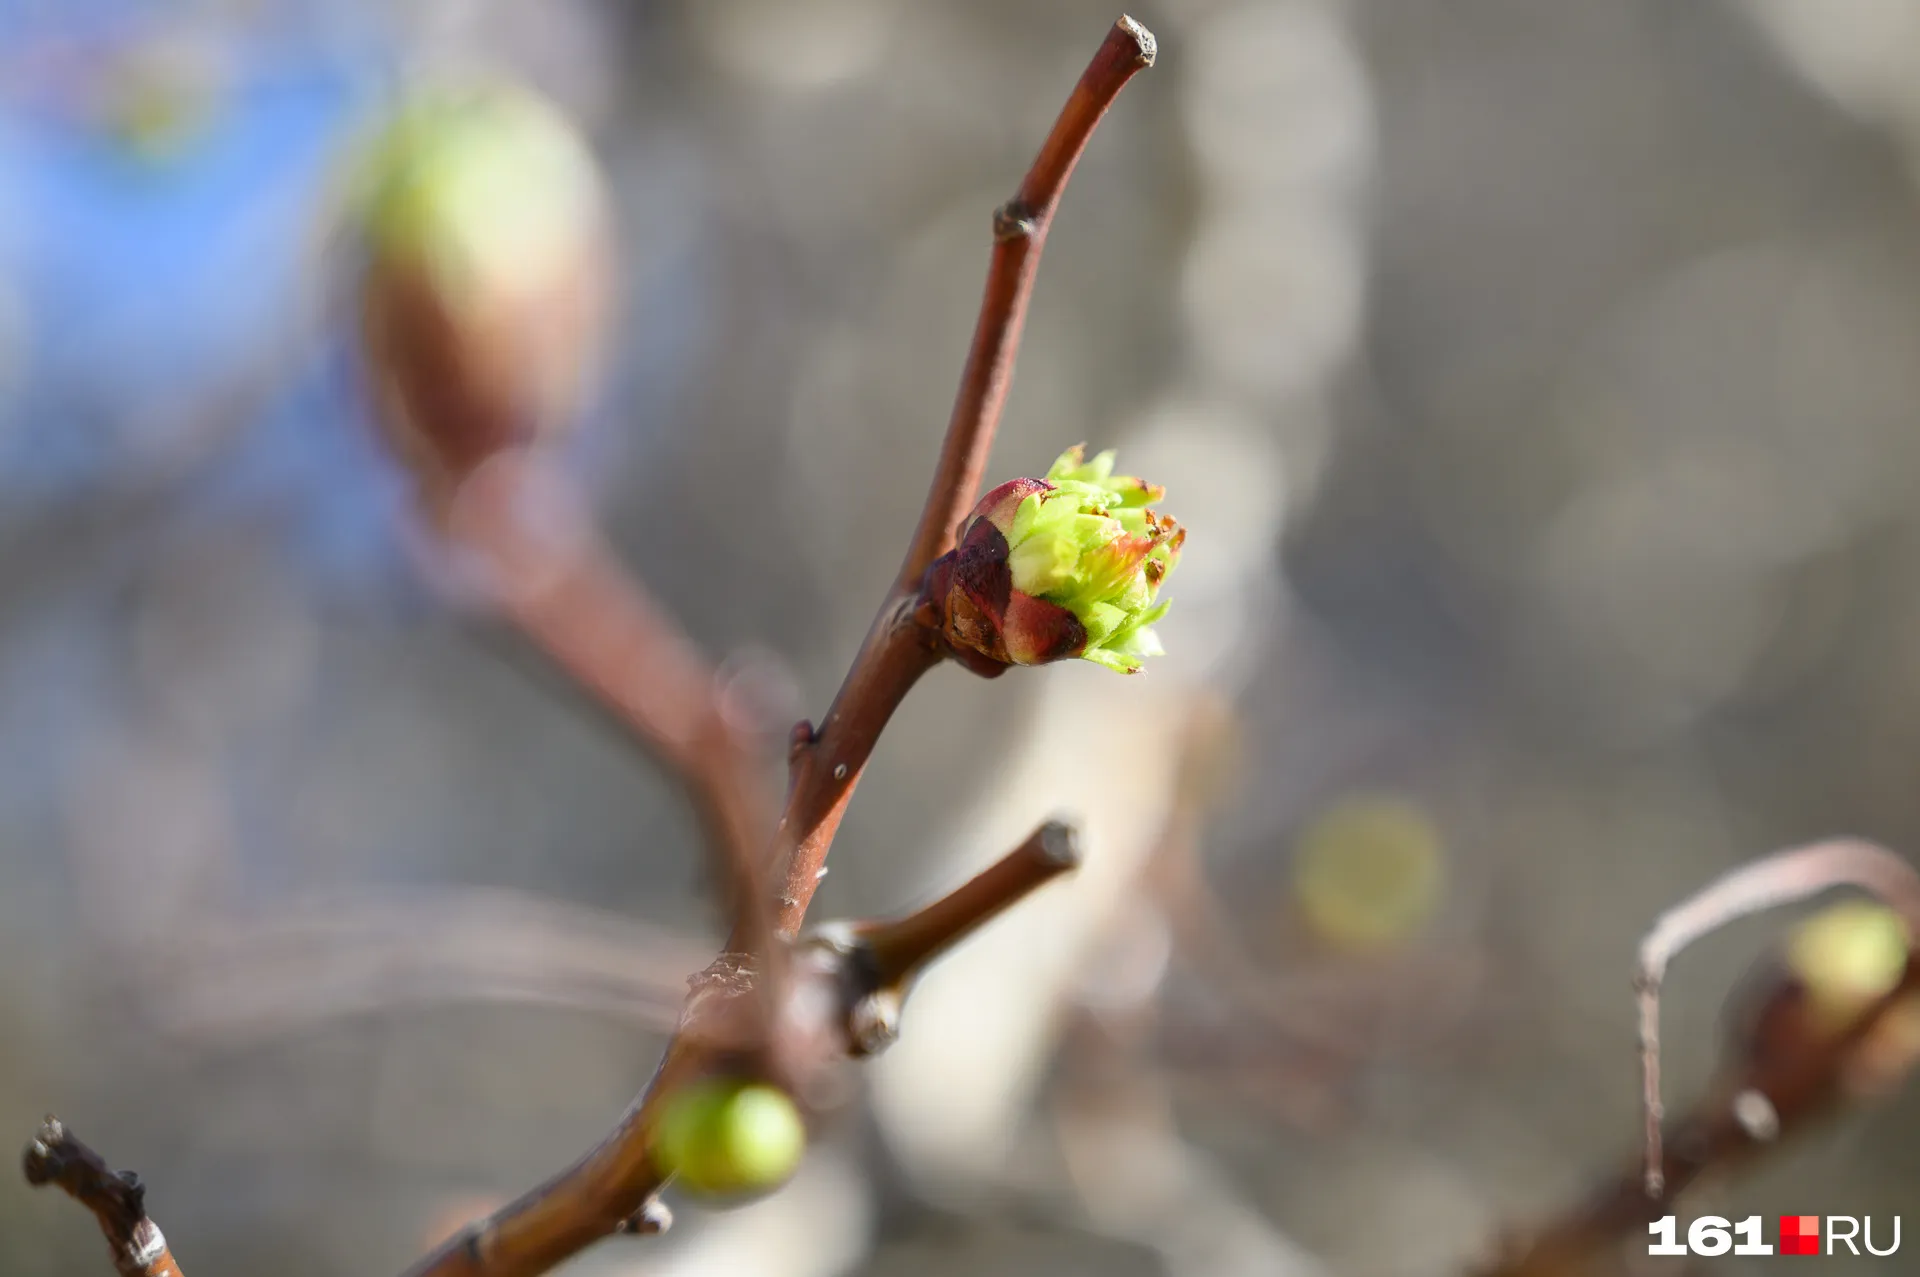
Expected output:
{"points": [[1059, 844], [39, 1162], [1143, 39]]}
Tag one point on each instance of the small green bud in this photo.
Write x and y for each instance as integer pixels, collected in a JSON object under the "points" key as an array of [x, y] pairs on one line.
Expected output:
{"points": [[483, 219], [724, 1137], [1836, 963], [1066, 566], [1849, 955]]}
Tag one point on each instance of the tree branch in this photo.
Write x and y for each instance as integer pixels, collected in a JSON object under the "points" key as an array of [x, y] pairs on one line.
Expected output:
{"points": [[1019, 233], [118, 1201], [234, 981], [617, 1181], [878, 962], [1768, 883], [900, 647], [904, 947]]}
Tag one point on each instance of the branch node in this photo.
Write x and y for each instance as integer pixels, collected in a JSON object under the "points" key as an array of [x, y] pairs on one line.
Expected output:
{"points": [[652, 1219], [1014, 220]]}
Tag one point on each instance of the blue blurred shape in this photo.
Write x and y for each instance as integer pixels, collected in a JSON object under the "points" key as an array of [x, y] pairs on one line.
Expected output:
{"points": [[161, 197]]}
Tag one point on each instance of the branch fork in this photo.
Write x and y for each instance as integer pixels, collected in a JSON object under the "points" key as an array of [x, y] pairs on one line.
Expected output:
{"points": [[772, 1005], [775, 1005]]}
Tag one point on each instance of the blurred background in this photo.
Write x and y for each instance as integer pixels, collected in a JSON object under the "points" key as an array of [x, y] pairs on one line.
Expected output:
{"points": [[1535, 380]]}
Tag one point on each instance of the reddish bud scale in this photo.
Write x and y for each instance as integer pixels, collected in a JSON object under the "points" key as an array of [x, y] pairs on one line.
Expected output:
{"points": [[1054, 568], [985, 615]]}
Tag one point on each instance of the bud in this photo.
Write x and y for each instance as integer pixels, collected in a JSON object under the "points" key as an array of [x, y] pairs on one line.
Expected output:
{"points": [[1835, 965], [1065, 566], [724, 1137], [483, 218], [1849, 956]]}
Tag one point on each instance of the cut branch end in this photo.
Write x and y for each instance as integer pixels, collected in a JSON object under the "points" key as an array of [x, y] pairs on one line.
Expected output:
{"points": [[118, 1200]]}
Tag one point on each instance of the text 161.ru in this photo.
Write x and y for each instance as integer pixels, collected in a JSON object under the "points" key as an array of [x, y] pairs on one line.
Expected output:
{"points": [[1798, 1235]]}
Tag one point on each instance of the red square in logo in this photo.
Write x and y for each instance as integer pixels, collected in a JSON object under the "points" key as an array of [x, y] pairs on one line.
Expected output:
{"points": [[1799, 1234]]}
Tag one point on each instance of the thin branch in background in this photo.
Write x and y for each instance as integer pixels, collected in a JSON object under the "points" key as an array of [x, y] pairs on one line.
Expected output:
{"points": [[615, 1182], [1746, 1114], [118, 1200], [1780, 879], [1761, 1097], [229, 982], [546, 566]]}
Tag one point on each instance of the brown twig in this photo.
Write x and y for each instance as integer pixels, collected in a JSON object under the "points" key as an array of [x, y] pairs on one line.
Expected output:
{"points": [[1746, 1114], [1768, 883], [118, 1200], [1019, 233], [877, 963], [1761, 1097], [899, 648], [904, 947], [827, 764], [617, 1181]]}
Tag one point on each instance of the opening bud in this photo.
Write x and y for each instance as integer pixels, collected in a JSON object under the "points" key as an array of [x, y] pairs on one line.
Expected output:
{"points": [[1849, 955], [1066, 566]]}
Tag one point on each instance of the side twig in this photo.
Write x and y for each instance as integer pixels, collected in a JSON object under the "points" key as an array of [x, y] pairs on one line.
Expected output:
{"points": [[118, 1200], [903, 948], [877, 963]]}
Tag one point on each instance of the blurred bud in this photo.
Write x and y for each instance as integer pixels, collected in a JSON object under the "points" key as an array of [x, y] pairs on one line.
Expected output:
{"points": [[1368, 874], [725, 1137], [1836, 964], [484, 223], [1849, 956], [1065, 566]]}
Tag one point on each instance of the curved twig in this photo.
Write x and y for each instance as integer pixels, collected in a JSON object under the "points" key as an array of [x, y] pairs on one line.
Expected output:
{"points": [[1767, 883]]}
